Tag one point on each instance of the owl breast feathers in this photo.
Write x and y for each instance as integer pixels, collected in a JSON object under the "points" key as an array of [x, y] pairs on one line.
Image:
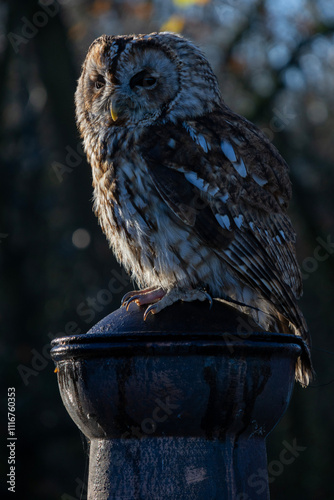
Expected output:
{"points": [[191, 196]]}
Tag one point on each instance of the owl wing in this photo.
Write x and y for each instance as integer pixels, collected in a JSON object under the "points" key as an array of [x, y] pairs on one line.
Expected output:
{"points": [[221, 176]]}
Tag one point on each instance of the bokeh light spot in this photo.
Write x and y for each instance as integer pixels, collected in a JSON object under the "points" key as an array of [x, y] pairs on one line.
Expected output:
{"points": [[81, 238], [174, 24], [317, 111], [38, 97]]}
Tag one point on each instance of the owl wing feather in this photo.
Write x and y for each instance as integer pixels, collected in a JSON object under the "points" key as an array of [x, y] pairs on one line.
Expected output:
{"points": [[221, 176]]}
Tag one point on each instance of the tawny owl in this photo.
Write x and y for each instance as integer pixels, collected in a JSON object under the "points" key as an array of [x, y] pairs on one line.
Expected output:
{"points": [[191, 196]]}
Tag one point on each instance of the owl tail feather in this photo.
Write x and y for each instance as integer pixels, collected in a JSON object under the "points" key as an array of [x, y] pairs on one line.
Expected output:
{"points": [[304, 372]]}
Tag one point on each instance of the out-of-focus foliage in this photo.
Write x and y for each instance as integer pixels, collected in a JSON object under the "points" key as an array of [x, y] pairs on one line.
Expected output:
{"points": [[275, 63]]}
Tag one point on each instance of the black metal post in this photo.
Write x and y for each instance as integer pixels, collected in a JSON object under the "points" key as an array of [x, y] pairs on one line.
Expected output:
{"points": [[178, 406]]}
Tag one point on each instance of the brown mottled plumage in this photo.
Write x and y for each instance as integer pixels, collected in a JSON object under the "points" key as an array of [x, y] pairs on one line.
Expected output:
{"points": [[191, 196]]}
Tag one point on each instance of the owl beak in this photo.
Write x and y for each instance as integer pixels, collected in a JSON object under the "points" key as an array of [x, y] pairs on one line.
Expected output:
{"points": [[114, 110]]}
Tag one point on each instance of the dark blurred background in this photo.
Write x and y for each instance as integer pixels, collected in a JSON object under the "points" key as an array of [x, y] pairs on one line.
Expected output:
{"points": [[275, 63]]}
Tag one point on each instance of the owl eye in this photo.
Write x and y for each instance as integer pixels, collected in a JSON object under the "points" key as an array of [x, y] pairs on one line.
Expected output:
{"points": [[99, 82], [143, 79]]}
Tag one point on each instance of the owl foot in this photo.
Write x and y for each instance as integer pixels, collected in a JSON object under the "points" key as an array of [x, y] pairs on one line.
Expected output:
{"points": [[177, 294], [142, 297], [128, 295]]}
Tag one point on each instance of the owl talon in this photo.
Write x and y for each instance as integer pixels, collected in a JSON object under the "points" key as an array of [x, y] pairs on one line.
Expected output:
{"points": [[149, 310], [134, 298], [125, 298], [209, 298]]}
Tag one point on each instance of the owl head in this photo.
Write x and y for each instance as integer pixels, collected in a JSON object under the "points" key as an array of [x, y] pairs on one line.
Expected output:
{"points": [[135, 80]]}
